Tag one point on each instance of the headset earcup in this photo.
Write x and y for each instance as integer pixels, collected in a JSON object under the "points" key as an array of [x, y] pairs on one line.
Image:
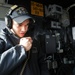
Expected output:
{"points": [[8, 21]]}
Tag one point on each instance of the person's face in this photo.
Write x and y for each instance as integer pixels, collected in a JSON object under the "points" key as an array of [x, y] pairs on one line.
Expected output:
{"points": [[20, 29]]}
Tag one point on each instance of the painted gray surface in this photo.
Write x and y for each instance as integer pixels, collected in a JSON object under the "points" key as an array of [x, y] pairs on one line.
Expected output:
{"points": [[2, 24]]}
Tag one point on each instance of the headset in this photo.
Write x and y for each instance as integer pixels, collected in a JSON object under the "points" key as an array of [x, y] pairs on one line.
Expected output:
{"points": [[8, 19], [10, 16]]}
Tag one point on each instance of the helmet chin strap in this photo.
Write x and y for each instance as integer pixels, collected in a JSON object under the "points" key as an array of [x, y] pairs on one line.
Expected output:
{"points": [[13, 31]]}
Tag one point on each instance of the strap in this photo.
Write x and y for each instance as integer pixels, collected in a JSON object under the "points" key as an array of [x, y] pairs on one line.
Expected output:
{"points": [[21, 73]]}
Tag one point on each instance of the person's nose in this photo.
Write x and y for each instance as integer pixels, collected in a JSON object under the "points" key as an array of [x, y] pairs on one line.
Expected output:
{"points": [[23, 28]]}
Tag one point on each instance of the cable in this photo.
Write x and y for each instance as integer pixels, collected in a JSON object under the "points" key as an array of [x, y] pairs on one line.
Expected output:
{"points": [[21, 73], [70, 7]]}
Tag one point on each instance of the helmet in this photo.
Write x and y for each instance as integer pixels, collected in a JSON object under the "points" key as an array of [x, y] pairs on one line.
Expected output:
{"points": [[17, 13]]}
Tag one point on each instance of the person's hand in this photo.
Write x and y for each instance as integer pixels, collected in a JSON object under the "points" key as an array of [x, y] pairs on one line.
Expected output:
{"points": [[26, 42]]}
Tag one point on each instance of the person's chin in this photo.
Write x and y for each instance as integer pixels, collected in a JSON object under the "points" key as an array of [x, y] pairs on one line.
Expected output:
{"points": [[21, 36]]}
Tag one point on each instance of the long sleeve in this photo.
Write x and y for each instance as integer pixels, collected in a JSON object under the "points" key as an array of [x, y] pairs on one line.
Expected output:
{"points": [[11, 58], [11, 54]]}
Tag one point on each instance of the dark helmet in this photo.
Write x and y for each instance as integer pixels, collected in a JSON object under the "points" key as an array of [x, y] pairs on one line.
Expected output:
{"points": [[17, 13]]}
